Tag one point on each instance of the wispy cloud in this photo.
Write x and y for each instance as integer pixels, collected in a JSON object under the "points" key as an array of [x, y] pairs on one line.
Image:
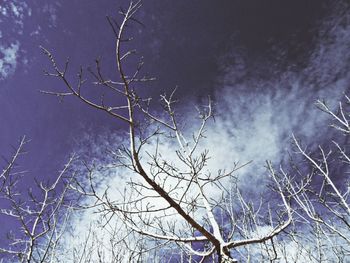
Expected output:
{"points": [[12, 13], [256, 116], [8, 59], [51, 10], [16, 25]]}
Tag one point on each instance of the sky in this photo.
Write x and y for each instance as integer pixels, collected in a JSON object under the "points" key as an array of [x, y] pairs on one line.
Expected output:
{"points": [[189, 45], [263, 62]]}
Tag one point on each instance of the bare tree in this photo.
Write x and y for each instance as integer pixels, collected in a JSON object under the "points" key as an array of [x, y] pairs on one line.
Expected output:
{"points": [[322, 191], [169, 200], [168, 203], [38, 216]]}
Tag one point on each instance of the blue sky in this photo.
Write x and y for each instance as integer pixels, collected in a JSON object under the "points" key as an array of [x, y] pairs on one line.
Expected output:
{"points": [[263, 63]]}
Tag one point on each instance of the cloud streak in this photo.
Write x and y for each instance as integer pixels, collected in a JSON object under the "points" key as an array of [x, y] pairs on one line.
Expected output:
{"points": [[8, 62]]}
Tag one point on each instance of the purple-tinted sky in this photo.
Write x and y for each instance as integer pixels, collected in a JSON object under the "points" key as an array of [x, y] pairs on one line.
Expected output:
{"points": [[230, 48], [182, 42]]}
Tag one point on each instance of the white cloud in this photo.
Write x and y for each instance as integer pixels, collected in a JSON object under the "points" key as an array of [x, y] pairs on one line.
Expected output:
{"points": [[8, 59], [15, 9], [13, 12], [3, 10]]}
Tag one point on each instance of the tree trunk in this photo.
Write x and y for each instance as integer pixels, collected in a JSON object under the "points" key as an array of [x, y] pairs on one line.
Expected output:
{"points": [[225, 257]]}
